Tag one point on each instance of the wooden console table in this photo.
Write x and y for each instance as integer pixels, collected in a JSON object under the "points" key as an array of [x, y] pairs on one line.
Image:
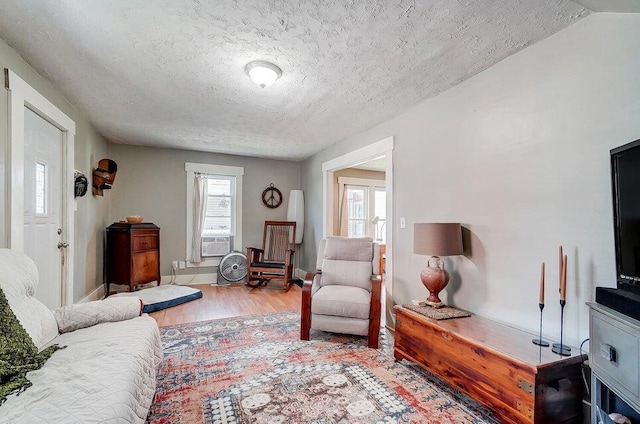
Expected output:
{"points": [[494, 364]]}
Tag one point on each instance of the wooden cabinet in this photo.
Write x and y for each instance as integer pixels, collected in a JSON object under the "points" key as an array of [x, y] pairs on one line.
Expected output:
{"points": [[133, 254], [494, 364]]}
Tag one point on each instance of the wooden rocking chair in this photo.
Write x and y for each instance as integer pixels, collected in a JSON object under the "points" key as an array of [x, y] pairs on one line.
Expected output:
{"points": [[275, 259]]}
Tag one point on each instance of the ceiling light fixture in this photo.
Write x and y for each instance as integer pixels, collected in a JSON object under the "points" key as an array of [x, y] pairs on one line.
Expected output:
{"points": [[263, 73]]}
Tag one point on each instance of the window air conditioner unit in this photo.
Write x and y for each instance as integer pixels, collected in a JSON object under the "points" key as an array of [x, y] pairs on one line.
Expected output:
{"points": [[216, 246]]}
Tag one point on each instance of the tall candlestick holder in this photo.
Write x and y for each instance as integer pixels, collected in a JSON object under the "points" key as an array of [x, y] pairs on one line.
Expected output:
{"points": [[560, 348], [539, 340]]}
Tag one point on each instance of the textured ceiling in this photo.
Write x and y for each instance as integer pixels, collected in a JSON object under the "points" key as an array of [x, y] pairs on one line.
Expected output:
{"points": [[170, 73]]}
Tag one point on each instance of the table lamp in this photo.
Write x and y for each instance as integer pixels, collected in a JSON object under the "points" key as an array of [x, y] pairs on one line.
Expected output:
{"points": [[436, 239]]}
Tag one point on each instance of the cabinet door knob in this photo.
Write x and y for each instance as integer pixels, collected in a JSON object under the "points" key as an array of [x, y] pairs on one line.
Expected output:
{"points": [[62, 245]]}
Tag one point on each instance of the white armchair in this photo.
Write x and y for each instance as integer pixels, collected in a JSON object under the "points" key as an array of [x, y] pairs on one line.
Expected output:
{"points": [[343, 295]]}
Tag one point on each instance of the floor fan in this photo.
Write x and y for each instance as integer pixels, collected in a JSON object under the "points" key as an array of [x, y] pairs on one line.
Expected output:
{"points": [[232, 268]]}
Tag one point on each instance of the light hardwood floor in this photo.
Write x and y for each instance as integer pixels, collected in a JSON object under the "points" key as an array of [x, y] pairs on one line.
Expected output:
{"points": [[230, 301]]}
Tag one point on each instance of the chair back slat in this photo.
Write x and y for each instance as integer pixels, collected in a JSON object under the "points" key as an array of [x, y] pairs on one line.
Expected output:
{"points": [[278, 237]]}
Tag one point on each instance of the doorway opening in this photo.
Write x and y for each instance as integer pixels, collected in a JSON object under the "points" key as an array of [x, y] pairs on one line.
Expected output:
{"points": [[39, 189], [358, 199]]}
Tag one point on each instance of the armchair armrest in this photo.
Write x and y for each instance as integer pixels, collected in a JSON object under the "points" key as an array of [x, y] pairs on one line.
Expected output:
{"points": [[375, 309], [111, 309], [310, 285]]}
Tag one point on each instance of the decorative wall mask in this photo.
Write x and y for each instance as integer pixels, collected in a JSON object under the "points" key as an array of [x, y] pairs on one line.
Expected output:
{"points": [[104, 176], [80, 184]]}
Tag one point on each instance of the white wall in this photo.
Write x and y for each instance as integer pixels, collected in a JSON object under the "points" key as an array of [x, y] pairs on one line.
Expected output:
{"points": [[152, 182], [519, 154]]}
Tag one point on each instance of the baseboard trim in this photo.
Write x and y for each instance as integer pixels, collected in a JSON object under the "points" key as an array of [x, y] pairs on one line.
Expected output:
{"points": [[299, 273], [187, 279]]}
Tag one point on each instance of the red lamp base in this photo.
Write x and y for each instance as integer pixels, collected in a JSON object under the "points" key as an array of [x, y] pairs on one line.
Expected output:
{"points": [[435, 279]]}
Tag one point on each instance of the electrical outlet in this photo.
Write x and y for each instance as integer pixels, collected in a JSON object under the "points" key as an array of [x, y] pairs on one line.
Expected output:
{"points": [[174, 265], [182, 265]]}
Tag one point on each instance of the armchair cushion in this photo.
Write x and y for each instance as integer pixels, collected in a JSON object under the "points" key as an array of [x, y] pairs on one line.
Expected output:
{"points": [[349, 249], [341, 301], [347, 273]]}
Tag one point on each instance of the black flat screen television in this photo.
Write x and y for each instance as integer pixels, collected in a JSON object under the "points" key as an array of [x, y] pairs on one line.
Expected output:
{"points": [[625, 178], [625, 184]]}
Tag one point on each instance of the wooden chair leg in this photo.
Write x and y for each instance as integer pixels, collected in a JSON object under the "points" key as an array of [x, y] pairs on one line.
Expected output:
{"points": [[374, 337]]}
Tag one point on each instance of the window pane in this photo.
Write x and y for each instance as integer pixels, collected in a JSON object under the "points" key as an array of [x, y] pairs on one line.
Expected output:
{"points": [[219, 187], [357, 201], [380, 203], [218, 216], [218, 206], [41, 188], [216, 226]]}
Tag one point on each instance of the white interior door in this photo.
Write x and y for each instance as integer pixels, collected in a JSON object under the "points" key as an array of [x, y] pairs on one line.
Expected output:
{"points": [[43, 225], [39, 188]]}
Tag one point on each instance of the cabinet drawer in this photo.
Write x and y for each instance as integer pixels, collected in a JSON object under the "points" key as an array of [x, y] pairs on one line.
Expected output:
{"points": [[614, 351], [145, 242]]}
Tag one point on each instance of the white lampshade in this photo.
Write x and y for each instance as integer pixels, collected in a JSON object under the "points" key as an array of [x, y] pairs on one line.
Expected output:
{"points": [[263, 73], [295, 212]]}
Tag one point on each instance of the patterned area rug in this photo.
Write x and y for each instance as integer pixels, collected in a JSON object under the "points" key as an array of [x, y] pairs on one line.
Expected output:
{"points": [[256, 370]]}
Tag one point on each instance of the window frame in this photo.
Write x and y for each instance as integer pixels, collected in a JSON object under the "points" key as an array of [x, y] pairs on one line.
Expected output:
{"points": [[236, 172], [371, 185]]}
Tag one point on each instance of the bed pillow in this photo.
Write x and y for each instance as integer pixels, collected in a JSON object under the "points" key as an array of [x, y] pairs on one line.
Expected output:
{"points": [[18, 353]]}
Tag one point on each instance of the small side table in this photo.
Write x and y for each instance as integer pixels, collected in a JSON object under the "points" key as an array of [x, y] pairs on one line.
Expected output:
{"points": [[133, 254]]}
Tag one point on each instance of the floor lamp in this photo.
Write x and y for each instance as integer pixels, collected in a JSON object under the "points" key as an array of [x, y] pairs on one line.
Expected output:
{"points": [[295, 212]]}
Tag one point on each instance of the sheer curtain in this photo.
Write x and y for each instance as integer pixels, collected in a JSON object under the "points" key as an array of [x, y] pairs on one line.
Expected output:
{"points": [[200, 191]]}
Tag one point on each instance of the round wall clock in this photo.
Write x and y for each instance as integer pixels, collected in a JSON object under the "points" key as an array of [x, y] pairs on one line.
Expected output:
{"points": [[271, 197]]}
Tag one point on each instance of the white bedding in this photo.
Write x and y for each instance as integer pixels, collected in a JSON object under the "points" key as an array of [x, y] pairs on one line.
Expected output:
{"points": [[107, 374], [81, 315]]}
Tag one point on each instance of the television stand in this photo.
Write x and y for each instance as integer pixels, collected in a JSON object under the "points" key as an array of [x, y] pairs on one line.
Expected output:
{"points": [[615, 346], [623, 301], [494, 364]]}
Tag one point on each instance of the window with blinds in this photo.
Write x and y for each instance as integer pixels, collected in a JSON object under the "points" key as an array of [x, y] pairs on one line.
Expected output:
{"points": [[220, 205], [219, 224], [221, 228]]}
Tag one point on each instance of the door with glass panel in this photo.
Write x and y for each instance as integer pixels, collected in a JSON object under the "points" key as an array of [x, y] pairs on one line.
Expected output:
{"points": [[43, 224]]}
